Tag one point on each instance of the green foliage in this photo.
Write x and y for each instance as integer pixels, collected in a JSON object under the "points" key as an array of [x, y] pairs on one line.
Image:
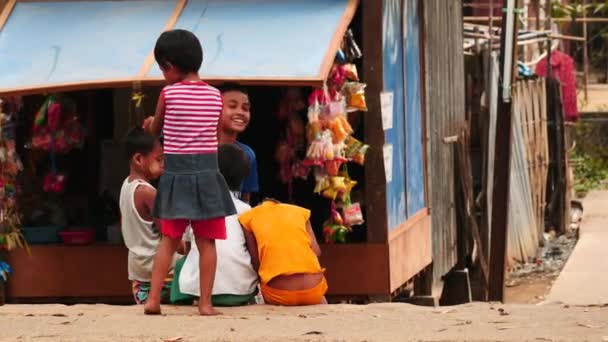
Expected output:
{"points": [[576, 9], [590, 158]]}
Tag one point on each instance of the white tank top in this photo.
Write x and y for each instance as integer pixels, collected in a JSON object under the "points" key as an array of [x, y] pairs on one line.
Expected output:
{"points": [[140, 236]]}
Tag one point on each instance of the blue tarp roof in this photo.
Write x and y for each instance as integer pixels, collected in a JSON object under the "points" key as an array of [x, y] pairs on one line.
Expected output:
{"points": [[64, 42], [59, 45]]}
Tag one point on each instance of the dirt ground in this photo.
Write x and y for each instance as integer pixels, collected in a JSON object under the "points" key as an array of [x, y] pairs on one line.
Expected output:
{"points": [[378, 322], [533, 291]]}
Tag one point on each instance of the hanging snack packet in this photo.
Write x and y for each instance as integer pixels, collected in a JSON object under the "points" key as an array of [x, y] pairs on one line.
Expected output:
{"points": [[355, 150], [353, 216], [355, 96]]}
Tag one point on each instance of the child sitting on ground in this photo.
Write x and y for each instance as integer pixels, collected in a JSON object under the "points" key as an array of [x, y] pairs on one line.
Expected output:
{"points": [[137, 196], [285, 253], [235, 279]]}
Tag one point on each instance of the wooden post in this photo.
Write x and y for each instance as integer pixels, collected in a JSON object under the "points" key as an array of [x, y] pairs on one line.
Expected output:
{"points": [[585, 54], [375, 184], [502, 168]]}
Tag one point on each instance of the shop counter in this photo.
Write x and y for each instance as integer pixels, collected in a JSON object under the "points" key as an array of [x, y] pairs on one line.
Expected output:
{"points": [[53, 273], [98, 273]]}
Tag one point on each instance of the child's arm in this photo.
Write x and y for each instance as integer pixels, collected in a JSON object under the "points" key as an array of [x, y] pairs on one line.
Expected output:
{"points": [[313, 240], [252, 247], [154, 125], [144, 201]]}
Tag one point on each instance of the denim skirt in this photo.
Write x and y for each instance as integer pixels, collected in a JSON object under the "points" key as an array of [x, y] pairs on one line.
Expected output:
{"points": [[193, 188]]}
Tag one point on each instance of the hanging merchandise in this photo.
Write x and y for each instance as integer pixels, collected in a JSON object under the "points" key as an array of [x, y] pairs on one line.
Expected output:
{"points": [[355, 95], [351, 49], [56, 127], [10, 166], [56, 130], [331, 144]]}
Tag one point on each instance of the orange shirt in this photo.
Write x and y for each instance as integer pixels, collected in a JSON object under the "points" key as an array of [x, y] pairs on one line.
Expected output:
{"points": [[284, 245]]}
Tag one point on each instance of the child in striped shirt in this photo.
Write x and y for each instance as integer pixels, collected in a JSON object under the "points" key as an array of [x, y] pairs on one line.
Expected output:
{"points": [[192, 191]]}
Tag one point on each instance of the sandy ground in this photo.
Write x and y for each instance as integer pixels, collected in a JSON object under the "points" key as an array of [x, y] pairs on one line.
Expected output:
{"points": [[378, 322]]}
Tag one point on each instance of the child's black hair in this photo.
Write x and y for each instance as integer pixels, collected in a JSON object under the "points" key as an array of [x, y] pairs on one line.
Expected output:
{"points": [[233, 164], [139, 141], [181, 49], [231, 86]]}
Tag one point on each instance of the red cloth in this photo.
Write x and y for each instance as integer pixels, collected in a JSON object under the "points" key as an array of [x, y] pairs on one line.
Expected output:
{"points": [[563, 70]]}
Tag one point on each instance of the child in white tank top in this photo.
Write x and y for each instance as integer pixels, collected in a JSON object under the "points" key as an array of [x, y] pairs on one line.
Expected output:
{"points": [[136, 202]]}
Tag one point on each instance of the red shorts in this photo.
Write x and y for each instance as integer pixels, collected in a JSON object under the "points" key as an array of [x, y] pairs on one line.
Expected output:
{"points": [[212, 229]]}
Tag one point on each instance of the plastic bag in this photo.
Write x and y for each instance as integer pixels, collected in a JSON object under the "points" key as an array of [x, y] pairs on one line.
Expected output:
{"points": [[355, 150], [353, 216], [355, 96]]}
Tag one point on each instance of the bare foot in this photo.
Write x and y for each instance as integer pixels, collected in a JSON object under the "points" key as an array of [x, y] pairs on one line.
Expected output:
{"points": [[208, 311], [152, 309]]}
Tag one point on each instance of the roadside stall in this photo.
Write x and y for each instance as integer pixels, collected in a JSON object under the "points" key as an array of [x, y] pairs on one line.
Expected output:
{"points": [[337, 123]]}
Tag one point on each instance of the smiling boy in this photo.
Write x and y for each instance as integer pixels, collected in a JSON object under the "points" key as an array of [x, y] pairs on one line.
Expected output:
{"points": [[234, 120]]}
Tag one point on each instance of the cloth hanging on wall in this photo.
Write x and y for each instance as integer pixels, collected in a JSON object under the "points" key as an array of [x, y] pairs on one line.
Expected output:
{"points": [[564, 71]]}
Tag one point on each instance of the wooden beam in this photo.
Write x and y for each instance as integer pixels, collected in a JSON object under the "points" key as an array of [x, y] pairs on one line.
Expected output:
{"points": [[179, 8], [502, 168], [128, 82], [6, 12], [372, 74]]}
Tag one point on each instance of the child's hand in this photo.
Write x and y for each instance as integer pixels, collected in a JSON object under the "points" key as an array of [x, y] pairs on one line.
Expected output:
{"points": [[147, 125]]}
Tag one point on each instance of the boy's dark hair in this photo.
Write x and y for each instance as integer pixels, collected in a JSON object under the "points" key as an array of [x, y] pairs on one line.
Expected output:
{"points": [[179, 48], [139, 141], [231, 86], [233, 164]]}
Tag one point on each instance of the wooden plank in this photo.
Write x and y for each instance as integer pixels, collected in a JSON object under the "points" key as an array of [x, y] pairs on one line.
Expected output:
{"points": [[179, 7], [409, 223], [410, 252], [544, 148], [6, 12], [128, 82], [356, 269], [538, 143], [466, 182], [336, 41], [58, 271], [372, 74], [500, 197]]}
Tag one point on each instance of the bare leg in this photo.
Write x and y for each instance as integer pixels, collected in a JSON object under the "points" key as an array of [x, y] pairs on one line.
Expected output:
{"points": [[207, 265], [162, 261]]}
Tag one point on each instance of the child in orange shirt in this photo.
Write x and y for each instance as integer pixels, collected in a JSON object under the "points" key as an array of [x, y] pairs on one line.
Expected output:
{"points": [[284, 252]]}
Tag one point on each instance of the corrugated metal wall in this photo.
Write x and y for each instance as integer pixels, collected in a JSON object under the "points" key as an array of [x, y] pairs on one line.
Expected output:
{"points": [[445, 108]]}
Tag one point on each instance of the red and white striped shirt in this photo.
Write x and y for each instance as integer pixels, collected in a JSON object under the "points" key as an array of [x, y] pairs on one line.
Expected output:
{"points": [[192, 112]]}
